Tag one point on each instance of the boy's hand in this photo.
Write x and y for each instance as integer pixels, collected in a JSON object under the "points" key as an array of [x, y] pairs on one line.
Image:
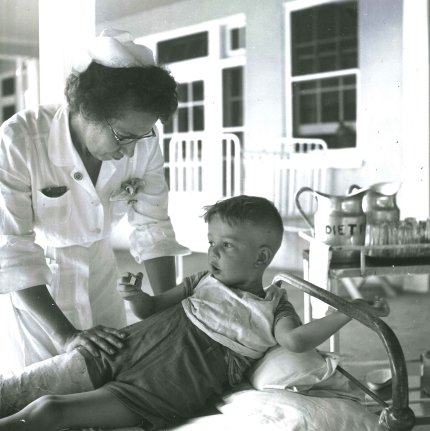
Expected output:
{"points": [[130, 286], [378, 307]]}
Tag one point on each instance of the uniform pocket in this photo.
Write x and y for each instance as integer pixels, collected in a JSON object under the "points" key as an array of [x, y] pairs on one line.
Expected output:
{"points": [[53, 210]]}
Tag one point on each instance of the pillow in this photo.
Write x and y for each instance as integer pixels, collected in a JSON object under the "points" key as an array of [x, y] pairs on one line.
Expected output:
{"points": [[281, 369], [290, 411]]}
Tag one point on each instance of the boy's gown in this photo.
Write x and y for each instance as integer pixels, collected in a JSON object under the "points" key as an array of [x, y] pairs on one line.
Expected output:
{"points": [[170, 369]]}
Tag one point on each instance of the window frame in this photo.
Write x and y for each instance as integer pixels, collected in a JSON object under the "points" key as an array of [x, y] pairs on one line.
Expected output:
{"points": [[237, 24], [10, 99], [218, 56], [342, 155]]}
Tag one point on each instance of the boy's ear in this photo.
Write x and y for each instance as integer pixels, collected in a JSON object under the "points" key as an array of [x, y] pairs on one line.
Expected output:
{"points": [[265, 255]]}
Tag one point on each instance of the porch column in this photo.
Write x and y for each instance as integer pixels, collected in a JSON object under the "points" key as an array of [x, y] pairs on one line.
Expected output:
{"points": [[415, 191], [65, 26]]}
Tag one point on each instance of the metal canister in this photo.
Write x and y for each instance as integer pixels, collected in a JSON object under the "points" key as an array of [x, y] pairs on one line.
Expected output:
{"points": [[379, 202], [338, 221]]}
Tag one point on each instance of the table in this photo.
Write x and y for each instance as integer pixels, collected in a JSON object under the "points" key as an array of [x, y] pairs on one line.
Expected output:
{"points": [[319, 269]]}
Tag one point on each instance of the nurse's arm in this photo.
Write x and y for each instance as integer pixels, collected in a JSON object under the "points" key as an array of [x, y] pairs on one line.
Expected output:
{"points": [[161, 273], [40, 302]]}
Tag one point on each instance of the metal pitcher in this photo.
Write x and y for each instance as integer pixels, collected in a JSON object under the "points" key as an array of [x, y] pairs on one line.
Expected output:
{"points": [[338, 220], [379, 202]]}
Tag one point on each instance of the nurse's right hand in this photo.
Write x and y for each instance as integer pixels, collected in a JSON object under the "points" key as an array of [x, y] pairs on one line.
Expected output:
{"points": [[95, 339]]}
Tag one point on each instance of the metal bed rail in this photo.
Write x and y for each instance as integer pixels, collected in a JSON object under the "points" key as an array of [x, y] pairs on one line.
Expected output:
{"points": [[395, 417]]}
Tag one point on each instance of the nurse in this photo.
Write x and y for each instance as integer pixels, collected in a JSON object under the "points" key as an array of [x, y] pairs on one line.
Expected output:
{"points": [[67, 174]]}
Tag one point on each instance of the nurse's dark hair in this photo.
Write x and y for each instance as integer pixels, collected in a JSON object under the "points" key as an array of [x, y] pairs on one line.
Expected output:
{"points": [[252, 209], [102, 92]]}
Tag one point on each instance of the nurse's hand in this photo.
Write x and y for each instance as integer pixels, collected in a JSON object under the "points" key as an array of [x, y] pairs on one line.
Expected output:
{"points": [[95, 339]]}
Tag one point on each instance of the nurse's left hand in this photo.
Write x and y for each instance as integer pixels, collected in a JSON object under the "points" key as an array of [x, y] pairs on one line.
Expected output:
{"points": [[95, 339]]}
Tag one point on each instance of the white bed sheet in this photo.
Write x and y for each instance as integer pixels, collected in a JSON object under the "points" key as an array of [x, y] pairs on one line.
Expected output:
{"points": [[277, 409]]}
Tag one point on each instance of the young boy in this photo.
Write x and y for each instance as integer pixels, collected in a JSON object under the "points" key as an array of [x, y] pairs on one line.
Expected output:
{"points": [[196, 339]]}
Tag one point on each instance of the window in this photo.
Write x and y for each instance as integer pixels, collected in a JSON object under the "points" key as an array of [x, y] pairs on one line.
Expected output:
{"points": [[183, 48], [8, 86], [190, 116], [8, 101], [234, 40], [232, 92], [208, 61], [324, 65], [232, 89], [8, 111]]}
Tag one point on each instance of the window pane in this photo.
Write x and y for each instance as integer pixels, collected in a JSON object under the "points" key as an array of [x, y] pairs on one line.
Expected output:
{"points": [[8, 111], [198, 118], [183, 48], [8, 86], [183, 120], [349, 81], [308, 112], [321, 104], [166, 153], [168, 127], [328, 33], [326, 22], [348, 56], [183, 93], [305, 60], [330, 83], [348, 19], [167, 176], [232, 79], [308, 85], [349, 103], [237, 38], [198, 90], [345, 136], [330, 106], [303, 26]]}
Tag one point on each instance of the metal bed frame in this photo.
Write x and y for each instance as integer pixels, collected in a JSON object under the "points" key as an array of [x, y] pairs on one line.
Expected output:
{"points": [[395, 417]]}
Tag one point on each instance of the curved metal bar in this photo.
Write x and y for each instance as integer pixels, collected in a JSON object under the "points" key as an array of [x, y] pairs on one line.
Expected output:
{"points": [[399, 416]]}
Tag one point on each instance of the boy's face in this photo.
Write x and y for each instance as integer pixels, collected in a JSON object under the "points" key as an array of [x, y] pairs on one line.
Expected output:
{"points": [[233, 253]]}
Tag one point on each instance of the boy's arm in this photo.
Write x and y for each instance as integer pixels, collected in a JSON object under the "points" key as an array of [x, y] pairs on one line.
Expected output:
{"points": [[306, 337], [142, 304]]}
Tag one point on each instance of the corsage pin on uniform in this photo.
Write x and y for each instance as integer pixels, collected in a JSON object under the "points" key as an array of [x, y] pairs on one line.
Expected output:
{"points": [[128, 191]]}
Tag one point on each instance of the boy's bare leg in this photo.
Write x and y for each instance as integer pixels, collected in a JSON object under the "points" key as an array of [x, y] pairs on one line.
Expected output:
{"points": [[98, 408]]}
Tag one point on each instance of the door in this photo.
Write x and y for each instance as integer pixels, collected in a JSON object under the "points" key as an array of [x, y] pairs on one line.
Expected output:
{"points": [[199, 119]]}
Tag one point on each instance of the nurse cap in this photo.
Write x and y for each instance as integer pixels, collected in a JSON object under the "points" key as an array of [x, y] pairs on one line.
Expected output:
{"points": [[113, 48]]}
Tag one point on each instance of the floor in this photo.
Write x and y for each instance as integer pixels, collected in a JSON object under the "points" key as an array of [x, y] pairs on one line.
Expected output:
{"points": [[360, 347]]}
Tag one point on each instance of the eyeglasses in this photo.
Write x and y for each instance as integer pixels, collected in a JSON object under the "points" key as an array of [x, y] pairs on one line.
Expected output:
{"points": [[126, 140]]}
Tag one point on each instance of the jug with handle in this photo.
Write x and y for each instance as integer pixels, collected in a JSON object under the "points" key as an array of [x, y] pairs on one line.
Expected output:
{"points": [[379, 202], [338, 220]]}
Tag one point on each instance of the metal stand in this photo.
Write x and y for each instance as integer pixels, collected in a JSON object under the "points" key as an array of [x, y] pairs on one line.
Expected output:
{"points": [[319, 269]]}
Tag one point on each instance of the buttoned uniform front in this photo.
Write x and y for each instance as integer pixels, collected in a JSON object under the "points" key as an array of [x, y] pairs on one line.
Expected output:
{"points": [[64, 241]]}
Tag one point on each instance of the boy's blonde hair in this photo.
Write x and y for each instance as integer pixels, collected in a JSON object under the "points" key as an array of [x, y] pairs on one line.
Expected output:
{"points": [[249, 209]]}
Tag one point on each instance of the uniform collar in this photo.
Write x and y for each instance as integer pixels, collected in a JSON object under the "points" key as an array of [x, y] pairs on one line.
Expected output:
{"points": [[62, 152]]}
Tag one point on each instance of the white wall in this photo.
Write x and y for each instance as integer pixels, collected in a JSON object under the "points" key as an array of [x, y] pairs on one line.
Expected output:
{"points": [[415, 109], [379, 125]]}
